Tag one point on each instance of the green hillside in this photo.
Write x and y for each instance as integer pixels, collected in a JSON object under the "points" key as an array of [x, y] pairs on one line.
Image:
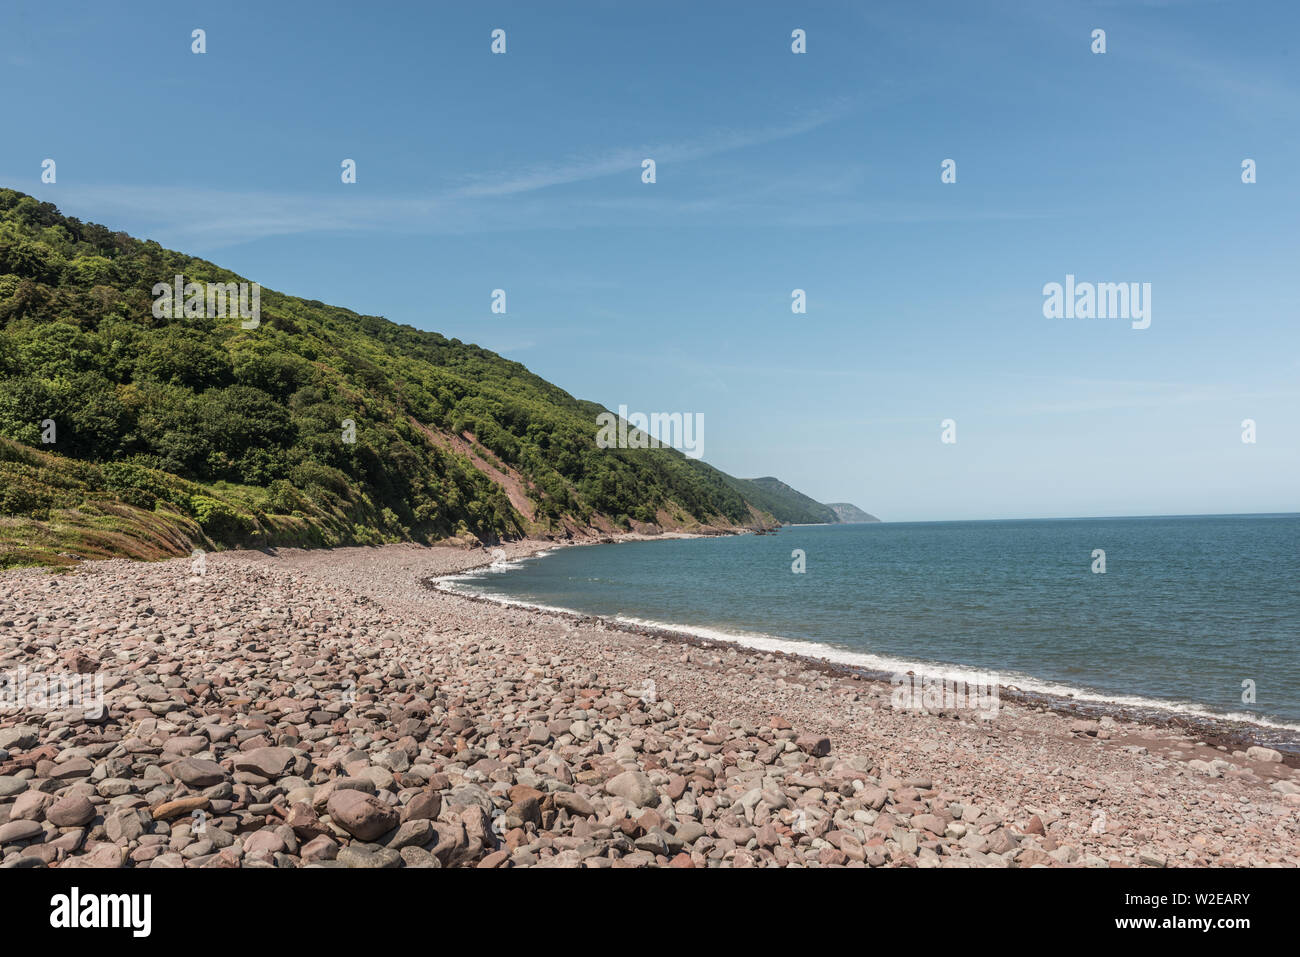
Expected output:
{"points": [[173, 432], [786, 504], [849, 514]]}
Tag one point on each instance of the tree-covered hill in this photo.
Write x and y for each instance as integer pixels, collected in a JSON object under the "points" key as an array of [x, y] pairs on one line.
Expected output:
{"points": [[780, 500], [849, 514], [176, 432]]}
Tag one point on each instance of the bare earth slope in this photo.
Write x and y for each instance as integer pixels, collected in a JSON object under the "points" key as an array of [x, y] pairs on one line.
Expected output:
{"points": [[327, 707]]}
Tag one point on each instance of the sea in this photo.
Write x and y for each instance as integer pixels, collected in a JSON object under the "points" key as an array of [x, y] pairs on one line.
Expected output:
{"points": [[1180, 615]]}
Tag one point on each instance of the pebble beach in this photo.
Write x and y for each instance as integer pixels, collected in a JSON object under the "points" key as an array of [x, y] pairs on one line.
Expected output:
{"points": [[335, 708]]}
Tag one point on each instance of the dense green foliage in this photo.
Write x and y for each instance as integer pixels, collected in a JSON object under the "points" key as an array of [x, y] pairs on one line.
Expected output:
{"points": [[203, 401], [784, 503]]}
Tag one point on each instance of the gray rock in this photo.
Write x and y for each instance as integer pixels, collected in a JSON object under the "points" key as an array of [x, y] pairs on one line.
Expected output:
{"points": [[24, 737], [363, 816], [538, 734], [424, 805], [18, 831], [115, 787], [688, 832], [468, 794], [323, 848], [198, 772], [818, 745], [30, 806], [634, 787], [419, 857], [71, 810], [574, 803], [72, 768], [123, 826], [264, 843], [1253, 753], [268, 762], [353, 856], [414, 832]]}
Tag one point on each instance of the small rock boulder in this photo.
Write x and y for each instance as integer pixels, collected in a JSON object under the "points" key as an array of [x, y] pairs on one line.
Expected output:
{"points": [[363, 816]]}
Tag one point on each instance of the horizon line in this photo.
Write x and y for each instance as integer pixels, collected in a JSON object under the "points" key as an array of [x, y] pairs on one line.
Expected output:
{"points": [[1053, 518]]}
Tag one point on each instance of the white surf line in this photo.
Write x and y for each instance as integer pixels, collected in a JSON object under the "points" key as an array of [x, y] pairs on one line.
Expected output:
{"points": [[802, 648]]}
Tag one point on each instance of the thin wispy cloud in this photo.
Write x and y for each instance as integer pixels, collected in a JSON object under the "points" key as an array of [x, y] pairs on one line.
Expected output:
{"points": [[1180, 54], [212, 218], [617, 162], [205, 219]]}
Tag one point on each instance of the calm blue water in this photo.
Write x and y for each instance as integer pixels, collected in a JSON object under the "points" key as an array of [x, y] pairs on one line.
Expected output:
{"points": [[1187, 607]]}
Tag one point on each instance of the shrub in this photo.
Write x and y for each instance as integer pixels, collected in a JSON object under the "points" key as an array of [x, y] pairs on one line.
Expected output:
{"points": [[220, 521]]}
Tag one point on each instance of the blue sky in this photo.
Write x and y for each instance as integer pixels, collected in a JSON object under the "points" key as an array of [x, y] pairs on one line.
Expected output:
{"points": [[775, 171]]}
